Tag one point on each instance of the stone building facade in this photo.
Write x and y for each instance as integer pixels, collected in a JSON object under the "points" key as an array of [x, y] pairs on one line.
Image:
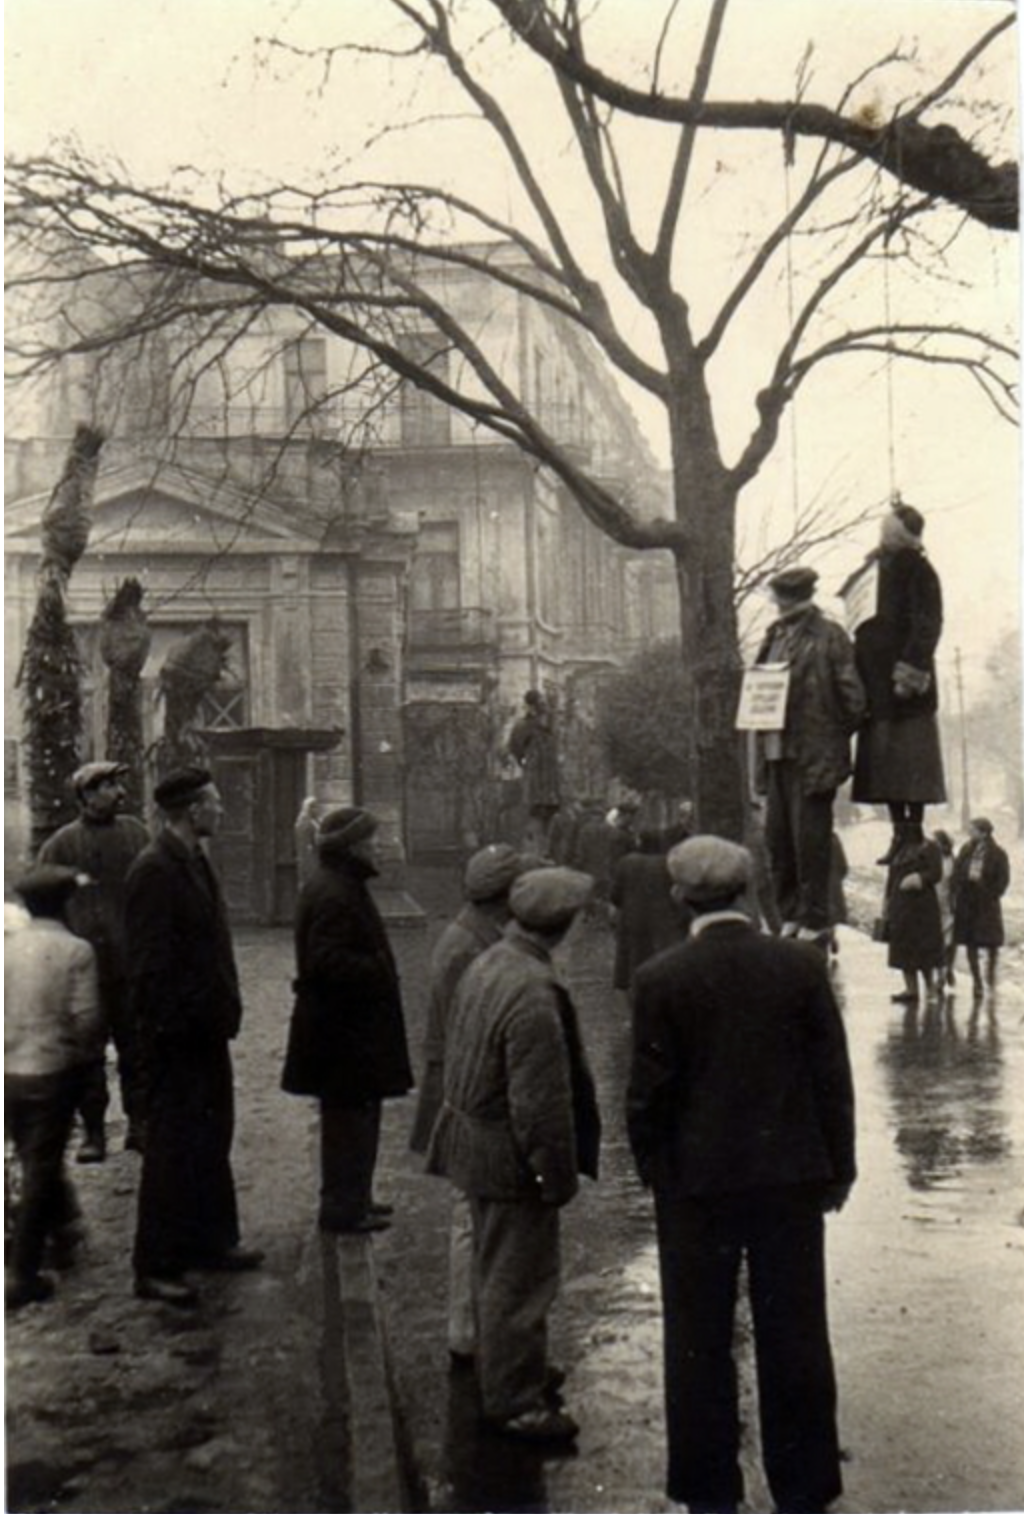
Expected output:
{"points": [[392, 579]]}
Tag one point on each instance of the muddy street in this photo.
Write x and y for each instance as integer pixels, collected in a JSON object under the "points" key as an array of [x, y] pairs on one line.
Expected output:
{"points": [[115, 1404]]}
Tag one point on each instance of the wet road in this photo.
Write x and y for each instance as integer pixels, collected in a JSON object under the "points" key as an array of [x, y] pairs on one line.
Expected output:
{"points": [[115, 1405], [926, 1268]]}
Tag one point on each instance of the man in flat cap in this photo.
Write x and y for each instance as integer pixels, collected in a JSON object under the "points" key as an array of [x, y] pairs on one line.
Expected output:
{"points": [[809, 757], [183, 990], [347, 1043], [102, 844], [52, 1026], [490, 874], [518, 1125], [740, 1117]]}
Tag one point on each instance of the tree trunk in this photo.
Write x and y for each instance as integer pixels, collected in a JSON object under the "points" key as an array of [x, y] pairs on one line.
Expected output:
{"points": [[705, 499]]}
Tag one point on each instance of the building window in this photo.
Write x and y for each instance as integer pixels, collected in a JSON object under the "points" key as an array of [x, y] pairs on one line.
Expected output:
{"points": [[434, 578], [305, 382], [425, 419]]}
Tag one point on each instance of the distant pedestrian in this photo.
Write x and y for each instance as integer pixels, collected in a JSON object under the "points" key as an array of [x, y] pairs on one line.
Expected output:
{"points": [[479, 924], [899, 760], [913, 917], [183, 990], [52, 1026], [944, 841], [596, 847], [809, 757], [102, 844], [740, 1116], [980, 879], [307, 829], [519, 1123], [346, 1042], [648, 917], [562, 831]]}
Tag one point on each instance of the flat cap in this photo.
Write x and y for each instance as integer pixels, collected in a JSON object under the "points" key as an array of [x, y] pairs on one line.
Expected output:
{"points": [[547, 898], [707, 868], [91, 773], [794, 583], [343, 827], [48, 885], [181, 786], [491, 871]]}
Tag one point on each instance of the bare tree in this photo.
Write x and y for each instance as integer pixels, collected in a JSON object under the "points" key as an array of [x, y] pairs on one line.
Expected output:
{"points": [[368, 261]]}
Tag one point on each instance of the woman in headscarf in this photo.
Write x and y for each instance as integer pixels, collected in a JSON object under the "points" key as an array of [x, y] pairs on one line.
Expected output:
{"points": [[899, 760]]}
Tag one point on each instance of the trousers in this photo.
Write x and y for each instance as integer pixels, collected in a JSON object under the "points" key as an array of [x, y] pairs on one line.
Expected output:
{"points": [[798, 834], [701, 1243], [349, 1140], [516, 1250], [38, 1114]]}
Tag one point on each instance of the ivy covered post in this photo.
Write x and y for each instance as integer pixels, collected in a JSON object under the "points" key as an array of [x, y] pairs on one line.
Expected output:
{"points": [[125, 639], [51, 676]]}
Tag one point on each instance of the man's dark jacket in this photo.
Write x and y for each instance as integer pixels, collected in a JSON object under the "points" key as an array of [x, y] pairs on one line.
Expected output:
{"points": [[740, 1075], [183, 983], [183, 992], [826, 699], [347, 1040]]}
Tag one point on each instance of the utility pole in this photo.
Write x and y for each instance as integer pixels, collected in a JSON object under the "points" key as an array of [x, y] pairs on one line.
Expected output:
{"points": [[965, 810]]}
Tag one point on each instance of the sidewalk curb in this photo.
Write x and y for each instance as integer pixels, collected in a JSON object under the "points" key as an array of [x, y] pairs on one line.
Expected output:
{"points": [[357, 1361]]}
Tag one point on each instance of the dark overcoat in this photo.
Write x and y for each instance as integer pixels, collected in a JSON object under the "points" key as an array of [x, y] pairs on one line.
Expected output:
{"points": [[740, 1076], [913, 917], [649, 919], [184, 997], [977, 910], [346, 1042], [898, 753], [825, 702]]}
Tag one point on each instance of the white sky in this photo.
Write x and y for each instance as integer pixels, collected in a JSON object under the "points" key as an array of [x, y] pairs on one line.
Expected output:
{"points": [[159, 83]]}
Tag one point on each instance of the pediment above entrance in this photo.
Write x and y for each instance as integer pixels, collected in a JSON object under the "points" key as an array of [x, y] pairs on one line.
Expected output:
{"points": [[164, 508]]}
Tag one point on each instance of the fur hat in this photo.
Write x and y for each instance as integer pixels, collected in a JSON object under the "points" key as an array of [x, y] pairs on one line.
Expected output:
{"points": [[345, 826], [181, 787], [709, 868], [547, 898], [491, 872]]}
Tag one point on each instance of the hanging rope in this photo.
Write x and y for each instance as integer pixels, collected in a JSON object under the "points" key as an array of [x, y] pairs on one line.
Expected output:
{"points": [[890, 386], [794, 440]]}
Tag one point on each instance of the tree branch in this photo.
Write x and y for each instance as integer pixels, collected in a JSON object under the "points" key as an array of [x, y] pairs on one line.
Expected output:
{"points": [[936, 160]]}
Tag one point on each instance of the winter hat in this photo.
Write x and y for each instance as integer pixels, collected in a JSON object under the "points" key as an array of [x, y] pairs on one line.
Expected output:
{"points": [[344, 827], [709, 869], [547, 898], [491, 872], [181, 787], [912, 519]]}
